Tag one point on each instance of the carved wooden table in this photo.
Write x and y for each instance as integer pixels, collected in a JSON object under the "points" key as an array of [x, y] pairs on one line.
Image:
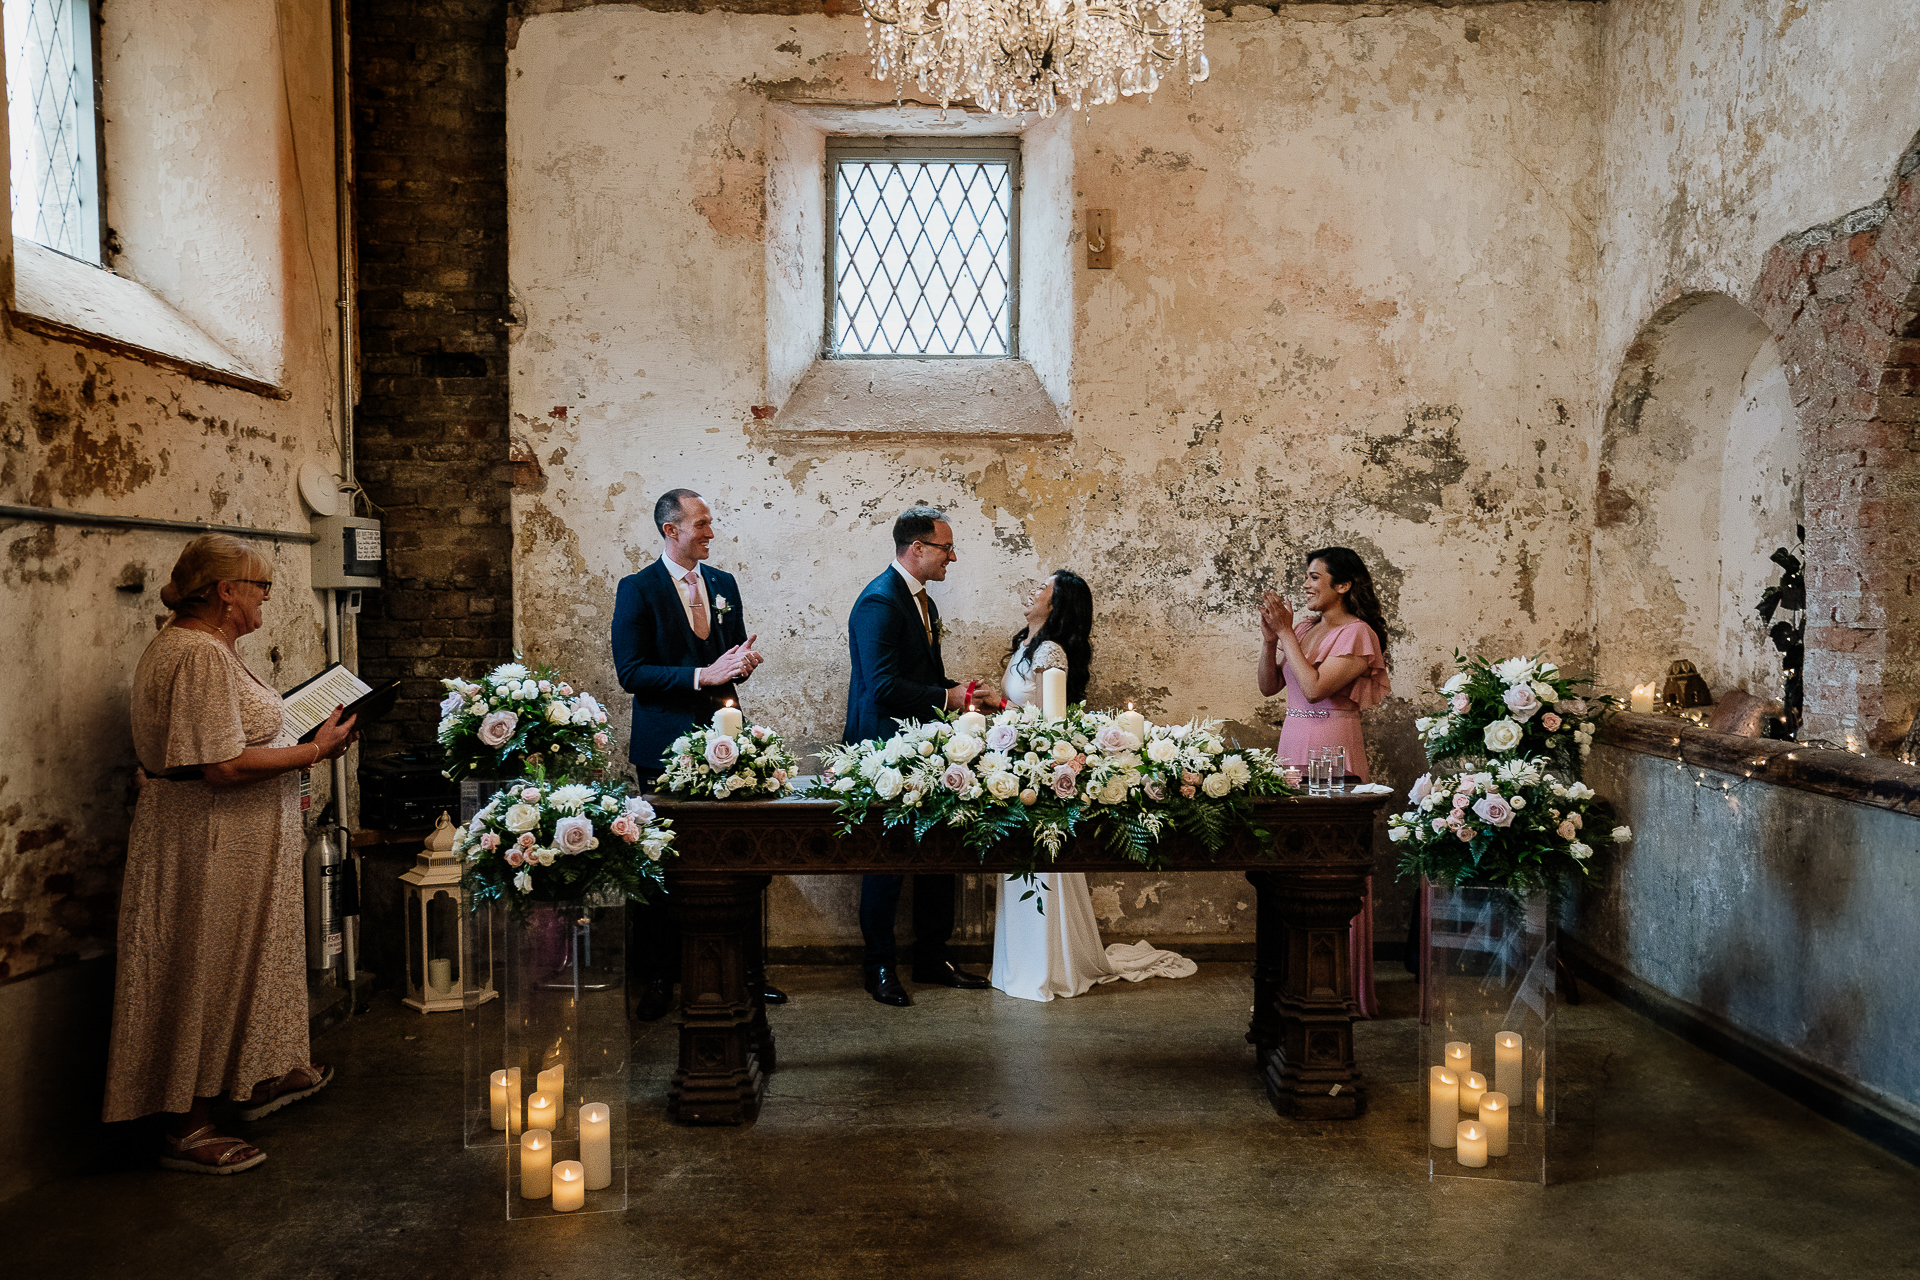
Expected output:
{"points": [[1309, 878]]}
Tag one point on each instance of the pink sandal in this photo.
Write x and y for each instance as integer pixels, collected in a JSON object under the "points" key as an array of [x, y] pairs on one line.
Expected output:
{"points": [[228, 1161], [301, 1082]]}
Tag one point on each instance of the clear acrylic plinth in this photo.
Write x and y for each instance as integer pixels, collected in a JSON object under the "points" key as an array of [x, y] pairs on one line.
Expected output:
{"points": [[1488, 984], [561, 1016]]}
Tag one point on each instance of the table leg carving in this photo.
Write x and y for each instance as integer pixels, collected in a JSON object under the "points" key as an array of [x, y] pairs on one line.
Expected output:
{"points": [[720, 1079], [1309, 1069], [1269, 968]]}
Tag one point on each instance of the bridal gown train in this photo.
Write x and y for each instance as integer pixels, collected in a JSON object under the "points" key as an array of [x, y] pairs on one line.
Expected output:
{"points": [[1048, 945]]}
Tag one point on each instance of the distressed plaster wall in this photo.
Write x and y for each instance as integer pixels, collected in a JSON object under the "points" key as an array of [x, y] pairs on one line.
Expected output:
{"points": [[1771, 908], [1353, 304], [86, 431]]}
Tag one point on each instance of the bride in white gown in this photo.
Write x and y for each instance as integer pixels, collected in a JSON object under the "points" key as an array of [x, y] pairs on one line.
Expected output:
{"points": [[1048, 944]]}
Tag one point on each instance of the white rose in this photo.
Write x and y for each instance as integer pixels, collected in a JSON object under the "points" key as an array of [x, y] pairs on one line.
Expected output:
{"points": [[1549, 670], [1216, 785], [887, 783], [1579, 852], [523, 881], [1002, 786], [1502, 735], [521, 817], [1455, 683], [1162, 750], [557, 713], [1622, 834], [1423, 724], [962, 747], [1063, 751], [1114, 791], [1545, 691], [1397, 834]]}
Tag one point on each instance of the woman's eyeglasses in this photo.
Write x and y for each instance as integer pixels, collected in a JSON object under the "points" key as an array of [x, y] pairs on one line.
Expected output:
{"points": [[266, 588]]}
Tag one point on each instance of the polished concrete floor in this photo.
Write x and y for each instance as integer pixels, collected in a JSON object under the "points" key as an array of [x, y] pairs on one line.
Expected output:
{"points": [[1121, 1134]]}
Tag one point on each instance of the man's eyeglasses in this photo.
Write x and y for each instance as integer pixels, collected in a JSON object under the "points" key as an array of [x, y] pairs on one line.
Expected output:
{"points": [[946, 547], [266, 588]]}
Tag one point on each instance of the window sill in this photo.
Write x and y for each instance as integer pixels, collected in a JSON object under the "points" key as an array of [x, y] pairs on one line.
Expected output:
{"points": [[67, 300], [914, 400]]}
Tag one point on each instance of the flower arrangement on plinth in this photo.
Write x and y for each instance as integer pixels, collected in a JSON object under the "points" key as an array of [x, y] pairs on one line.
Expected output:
{"points": [[542, 841], [1516, 826], [516, 720], [1519, 709], [1025, 775], [753, 763]]}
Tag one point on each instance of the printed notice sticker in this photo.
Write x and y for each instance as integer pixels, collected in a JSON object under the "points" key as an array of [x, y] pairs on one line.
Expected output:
{"points": [[366, 542]]}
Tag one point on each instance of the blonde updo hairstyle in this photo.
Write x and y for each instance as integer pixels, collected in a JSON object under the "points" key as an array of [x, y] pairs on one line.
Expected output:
{"points": [[207, 561]]}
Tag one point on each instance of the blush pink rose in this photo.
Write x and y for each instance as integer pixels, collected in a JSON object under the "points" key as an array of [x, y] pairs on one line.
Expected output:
{"points": [[1460, 703], [573, 834], [1494, 811], [1461, 799], [1064, 781], [515, 857], [1002, 737], [1549, 722], [1465, 833], [625, 827], [497, 727], [1188, 790], [525, 841], [529, 794], [490, 841], [722, 752], [1422, 788], [957, 778]]}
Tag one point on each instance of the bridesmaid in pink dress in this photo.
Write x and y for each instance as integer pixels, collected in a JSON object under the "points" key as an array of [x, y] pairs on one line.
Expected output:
{"points": [[1335, 667]]}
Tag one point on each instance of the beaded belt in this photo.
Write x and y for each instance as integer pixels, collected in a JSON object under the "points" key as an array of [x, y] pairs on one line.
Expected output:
{"points": [[1318, 713]]}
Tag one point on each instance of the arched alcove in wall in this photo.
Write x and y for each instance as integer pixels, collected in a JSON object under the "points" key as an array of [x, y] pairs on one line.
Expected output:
{"points": [[1699, 483]]}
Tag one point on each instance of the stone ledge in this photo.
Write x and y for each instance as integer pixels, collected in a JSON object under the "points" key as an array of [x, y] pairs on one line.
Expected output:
{"points": [[919, 400], [1883, 784]]}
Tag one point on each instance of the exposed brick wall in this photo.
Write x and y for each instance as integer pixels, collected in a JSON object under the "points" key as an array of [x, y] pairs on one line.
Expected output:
{"points": [[429, 121], [1844, 300]]}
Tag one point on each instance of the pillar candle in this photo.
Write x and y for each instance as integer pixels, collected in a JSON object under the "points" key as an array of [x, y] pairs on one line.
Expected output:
{"points": [[1133, 722], [1641, 699], [727, 721], [543, 1112], [596, 1144], [440, 975], [1540, 1092], [1443, 1106], [971, 723], [1053, 693], [1459, 1059], [536, 1165], [1493, 1118], [1472, 1085], [1506, 1063], [516, 1115], [570, 1186], [553, 1083], [1472, 1150], [498, 1096]]}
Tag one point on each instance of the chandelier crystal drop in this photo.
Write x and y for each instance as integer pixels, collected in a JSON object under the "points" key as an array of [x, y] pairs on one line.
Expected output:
{"points": [[1012, 57]]}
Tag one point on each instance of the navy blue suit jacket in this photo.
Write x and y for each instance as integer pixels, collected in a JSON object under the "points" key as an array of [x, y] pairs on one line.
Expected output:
{"points": [[897, 675], [656, 653]]}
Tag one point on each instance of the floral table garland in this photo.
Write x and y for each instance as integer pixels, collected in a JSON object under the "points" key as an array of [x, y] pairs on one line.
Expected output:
{"points": [[518, 720], [1021, 774], [1513, 811], [751, 763]]}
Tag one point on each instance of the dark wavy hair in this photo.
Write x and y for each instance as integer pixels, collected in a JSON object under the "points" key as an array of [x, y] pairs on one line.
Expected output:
{"points": [[1069, 623], [1346, 569]]}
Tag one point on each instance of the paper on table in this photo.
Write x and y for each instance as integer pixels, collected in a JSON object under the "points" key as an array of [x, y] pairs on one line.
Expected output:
{"points": [[1370, 789], [309, 704]]}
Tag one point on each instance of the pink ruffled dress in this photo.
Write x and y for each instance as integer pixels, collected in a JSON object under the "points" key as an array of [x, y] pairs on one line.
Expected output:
{"points": [[1334, 721]]}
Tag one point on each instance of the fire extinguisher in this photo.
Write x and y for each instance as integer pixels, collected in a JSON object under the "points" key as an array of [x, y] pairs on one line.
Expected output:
{"points": [[326, 879]]}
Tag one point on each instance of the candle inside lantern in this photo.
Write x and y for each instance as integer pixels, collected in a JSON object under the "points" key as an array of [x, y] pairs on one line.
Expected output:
{"points": [[971, 723], [536, 1165], [596, 1144], [1443, 1106], [553, 1083], [498, 1096], [727, 721], [516, 1113], [1540, 1091], [569, 1186], [1641, 700], [440, 975], [1459, 1059], [1053, 693], [1133, 722], [1472, 1149], [543, 1112], [1472, 1085], [1493, 1116], [1506, 1063]]}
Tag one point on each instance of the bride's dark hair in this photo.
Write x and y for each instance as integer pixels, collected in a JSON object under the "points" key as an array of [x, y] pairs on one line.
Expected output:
{"points": [[1069, 623], [1345, 568]]}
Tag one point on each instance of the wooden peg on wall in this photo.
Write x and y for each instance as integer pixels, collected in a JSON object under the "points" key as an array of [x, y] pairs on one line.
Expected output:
{"points": [[1100, 239]]}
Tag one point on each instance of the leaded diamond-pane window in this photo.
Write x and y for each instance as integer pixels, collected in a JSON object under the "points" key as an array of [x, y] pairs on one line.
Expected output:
{"points": [[924, 248], [52, 124]]}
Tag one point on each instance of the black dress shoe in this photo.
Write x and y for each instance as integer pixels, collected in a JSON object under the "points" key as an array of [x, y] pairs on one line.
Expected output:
{"points": [[655, 1001], [884, 985], [944, 974], [772, 994]]}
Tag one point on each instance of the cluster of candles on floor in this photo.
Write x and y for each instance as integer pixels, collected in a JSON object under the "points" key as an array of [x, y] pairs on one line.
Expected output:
{"points": [[1455, 1087], [568, 1181]]}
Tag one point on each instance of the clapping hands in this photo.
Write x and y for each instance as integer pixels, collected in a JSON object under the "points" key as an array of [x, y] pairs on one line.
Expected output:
{"points": [[736, 663], [1276, 617]]}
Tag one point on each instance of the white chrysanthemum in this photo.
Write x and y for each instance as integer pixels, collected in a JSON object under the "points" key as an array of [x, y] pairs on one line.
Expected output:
{"points": [[1514, 671], [571, 798]]}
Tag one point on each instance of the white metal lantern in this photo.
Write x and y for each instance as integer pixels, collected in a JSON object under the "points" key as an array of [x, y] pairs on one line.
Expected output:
{"points": [[436, 927]]}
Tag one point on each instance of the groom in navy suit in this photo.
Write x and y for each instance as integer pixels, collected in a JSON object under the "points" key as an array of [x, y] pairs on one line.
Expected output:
{"points": [[681, 648], [898, 674]]}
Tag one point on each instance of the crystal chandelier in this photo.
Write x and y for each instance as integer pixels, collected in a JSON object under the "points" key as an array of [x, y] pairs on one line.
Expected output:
{"points": [[1016, 56]]}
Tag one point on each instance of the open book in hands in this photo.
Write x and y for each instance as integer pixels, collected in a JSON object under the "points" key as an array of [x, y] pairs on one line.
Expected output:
{"points": [[305, 707]]}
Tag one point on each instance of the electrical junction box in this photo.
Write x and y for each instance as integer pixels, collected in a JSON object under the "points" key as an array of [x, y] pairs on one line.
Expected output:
{"points": [[351, 552]]}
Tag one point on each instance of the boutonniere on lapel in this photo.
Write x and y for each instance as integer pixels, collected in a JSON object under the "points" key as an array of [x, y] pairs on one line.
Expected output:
{"points": [[722, 606], [939, 630]]}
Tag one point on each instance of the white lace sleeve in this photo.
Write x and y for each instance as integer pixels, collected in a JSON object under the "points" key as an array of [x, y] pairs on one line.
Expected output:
{"points": [[1049, 656]]}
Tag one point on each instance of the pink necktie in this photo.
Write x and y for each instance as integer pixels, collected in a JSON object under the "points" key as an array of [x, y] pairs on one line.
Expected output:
{"points": [[697, 605]]}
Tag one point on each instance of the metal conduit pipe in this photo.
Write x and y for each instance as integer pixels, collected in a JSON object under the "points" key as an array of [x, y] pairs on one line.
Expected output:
{"points": [[55, 515]]}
